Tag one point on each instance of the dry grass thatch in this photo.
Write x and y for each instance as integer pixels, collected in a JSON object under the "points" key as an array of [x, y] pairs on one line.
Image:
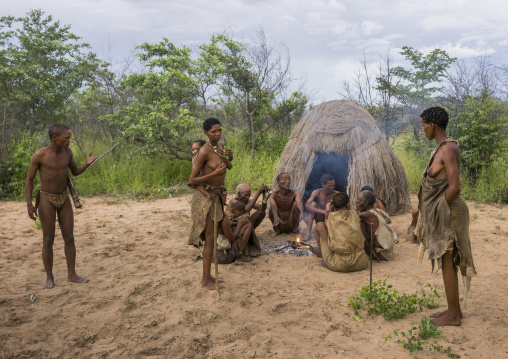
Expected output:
{"points": [[344, 127]]}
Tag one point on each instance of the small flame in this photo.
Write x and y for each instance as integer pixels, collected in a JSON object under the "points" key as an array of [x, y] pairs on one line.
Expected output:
{"points": [[297, 239]]}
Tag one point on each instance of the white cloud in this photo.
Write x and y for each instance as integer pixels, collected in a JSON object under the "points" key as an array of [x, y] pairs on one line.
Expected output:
{"points": [[460, 51], [371, 27]]}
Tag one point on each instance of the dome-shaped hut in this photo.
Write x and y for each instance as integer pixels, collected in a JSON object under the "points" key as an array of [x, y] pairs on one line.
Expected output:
{"points": [[341, 138]]}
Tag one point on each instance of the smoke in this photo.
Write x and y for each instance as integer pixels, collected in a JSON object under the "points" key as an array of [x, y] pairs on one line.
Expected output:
{"points": [[328, 163]]}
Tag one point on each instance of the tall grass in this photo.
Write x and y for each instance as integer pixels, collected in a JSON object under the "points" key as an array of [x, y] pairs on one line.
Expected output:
{"points": [[140, 176]]}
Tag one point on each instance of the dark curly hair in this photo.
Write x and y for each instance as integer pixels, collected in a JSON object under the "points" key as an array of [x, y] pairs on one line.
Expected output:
{"points": [[340, 200], [436, 115], [209, 123]]}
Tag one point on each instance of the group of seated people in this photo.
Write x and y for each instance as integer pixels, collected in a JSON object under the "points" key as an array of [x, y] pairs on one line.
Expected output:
{"points": [[343, 235]]}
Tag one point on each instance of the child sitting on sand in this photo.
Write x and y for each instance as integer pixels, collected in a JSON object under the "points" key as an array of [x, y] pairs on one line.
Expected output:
{"points": [[237, 229]]}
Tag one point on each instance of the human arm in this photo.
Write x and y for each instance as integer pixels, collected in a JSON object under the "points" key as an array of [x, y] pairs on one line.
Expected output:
{"points": [[227, 227], [451, 158], [201, 189], [380, 204], [75, 170], [253, 200], [273, 208], [29, 184], [312, 209], [368, 218], [299, 205], [229, 154]]}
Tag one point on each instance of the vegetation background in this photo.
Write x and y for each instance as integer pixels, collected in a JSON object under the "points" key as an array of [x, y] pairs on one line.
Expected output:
{"points": [[153, 103]]}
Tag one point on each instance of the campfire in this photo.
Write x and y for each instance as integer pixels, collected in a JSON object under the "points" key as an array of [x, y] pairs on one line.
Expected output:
{"points": [[291, 244], [297, 243]]}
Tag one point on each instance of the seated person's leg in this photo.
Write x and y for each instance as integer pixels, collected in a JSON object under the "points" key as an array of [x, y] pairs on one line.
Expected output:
{"points": [[310, 218], [257, 217], [322, 233], [244, 243], [294, 219]]}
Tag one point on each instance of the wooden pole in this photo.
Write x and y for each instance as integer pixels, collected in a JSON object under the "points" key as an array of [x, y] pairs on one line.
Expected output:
{"points": [[215, 229], [371, 249]]}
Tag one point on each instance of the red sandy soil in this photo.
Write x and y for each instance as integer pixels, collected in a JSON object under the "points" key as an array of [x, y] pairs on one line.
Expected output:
{"points": [[144, 297]]}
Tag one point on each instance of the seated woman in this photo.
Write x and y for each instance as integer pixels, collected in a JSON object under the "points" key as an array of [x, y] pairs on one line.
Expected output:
{"points": [[379, 202], [286, 207], [342, 247]]}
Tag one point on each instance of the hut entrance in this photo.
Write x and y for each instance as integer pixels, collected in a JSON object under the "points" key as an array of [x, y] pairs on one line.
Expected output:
{"points": [[328, 163]]}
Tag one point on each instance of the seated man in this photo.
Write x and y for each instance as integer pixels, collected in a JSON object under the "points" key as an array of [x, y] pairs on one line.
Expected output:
{"points": [[343, 243], [383, 235], [316, 205], [243, 193], [286, 207], [379, 202], [234, 243]]}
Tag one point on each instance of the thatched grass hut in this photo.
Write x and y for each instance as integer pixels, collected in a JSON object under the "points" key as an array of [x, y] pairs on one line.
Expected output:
{"points": [[341, 138]]}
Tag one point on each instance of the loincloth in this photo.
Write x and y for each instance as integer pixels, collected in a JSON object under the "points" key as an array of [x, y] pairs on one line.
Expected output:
{"points": [[57, 200], [201, 208]]}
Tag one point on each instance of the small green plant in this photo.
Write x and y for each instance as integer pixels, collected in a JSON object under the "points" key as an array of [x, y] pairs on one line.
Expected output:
{"points": [[37, 223], [474, 217], [386, 300], [500, 216], [415, 339], [119, 216], [155, 212]]}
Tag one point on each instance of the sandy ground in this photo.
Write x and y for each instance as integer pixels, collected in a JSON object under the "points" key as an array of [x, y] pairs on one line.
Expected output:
{"points": [[144, 297]]}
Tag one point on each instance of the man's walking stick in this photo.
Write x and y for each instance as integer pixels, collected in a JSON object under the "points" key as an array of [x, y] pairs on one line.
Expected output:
{"points": [[215, 229], [371, 249], [72, 190]]}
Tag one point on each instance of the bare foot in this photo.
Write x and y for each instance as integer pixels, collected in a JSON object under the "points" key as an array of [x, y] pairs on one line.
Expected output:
{"points": [[49, 284], [316, 251], [244, 259], [308, 237], [220, 280], [77, 279], [210, 284], [439, 314], [447, 319]]}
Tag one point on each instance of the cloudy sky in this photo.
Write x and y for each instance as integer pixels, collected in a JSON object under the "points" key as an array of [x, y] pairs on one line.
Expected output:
{"points": [[325, 38]]}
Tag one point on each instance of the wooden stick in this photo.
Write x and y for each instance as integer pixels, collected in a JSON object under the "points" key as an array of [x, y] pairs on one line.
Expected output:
{"points": [[371, 249], [215, 229]]}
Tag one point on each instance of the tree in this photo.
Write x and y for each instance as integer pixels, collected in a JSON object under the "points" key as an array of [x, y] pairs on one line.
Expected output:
{"points": [[42, 65], [162, 116], [376, 91], [253, 74], [481, 129]]}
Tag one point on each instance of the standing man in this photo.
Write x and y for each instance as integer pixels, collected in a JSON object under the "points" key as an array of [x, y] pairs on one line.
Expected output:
{"points": [[443, 222], [53, 163], [209, 170]]}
